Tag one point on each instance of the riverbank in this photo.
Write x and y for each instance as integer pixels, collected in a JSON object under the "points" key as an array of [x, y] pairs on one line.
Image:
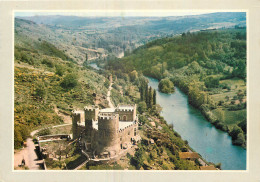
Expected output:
{"points": [[213, 144], [215, 115]]}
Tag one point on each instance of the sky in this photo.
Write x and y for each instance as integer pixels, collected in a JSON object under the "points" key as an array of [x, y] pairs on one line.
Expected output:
{"points": [[113, 13]]}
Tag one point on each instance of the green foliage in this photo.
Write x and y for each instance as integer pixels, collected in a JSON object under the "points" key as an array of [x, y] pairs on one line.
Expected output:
{"points": [[44, 131], [50, 50], [107, 83], [211, 82], [48, 62], [69, 81], [235, 132], [40, 91], [240, 139], [138, 160], [141, 107], [166, 86], [154, 97], [18, 139], [133, 76], [60, 70]]}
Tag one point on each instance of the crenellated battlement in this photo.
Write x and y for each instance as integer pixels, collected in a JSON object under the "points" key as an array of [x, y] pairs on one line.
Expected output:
{"points": [[107, 116], [126, 108], [123, 129], [107, 128], [76, 112], [90, 108]]}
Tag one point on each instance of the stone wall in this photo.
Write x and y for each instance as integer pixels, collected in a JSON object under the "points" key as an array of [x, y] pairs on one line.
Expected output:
{"points": [[126, 134], [107, 130]]}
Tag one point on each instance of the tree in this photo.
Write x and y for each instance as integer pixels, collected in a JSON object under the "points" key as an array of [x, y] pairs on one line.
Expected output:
{"points": [[211, 82], [147, 95], [86, 57], [133, 75], [141, 107], [70, 81], [166, 86], [240, 139], [150, 97], [235, 131], [107, 83], [18, 139], [154, 97], [138, 160]]}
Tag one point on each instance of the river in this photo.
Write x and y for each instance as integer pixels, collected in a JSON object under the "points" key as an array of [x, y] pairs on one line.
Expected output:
{"points": [[214, 145]]}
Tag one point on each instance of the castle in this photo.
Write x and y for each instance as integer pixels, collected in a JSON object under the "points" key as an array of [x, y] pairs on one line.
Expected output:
{"points": [[103, 133]]}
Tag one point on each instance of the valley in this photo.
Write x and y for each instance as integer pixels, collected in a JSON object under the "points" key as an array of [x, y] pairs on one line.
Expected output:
{"points": [[63, 63]]}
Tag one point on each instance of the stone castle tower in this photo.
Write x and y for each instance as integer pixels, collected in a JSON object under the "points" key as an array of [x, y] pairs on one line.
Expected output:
{"points": [[108, 125], [107, 131], [91, 114]]}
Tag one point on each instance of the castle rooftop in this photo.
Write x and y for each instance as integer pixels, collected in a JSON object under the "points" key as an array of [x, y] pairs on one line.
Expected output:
{"points": [[122, 124], [125, 107]]}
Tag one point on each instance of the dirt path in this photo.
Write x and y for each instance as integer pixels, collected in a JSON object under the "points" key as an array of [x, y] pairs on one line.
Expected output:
{"points": [[29, 154], [66, 118], [110, 104]]}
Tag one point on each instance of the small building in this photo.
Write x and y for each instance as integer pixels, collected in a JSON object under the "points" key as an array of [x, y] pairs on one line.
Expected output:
{"points": [[151, 141], [211, 167], [189, 155]]}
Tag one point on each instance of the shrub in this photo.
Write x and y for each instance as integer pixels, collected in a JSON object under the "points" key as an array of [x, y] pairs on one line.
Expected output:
{"points": [[211, 82], [60, 70], [45, 131], [107, 83], [70, 81], [48, 63]]}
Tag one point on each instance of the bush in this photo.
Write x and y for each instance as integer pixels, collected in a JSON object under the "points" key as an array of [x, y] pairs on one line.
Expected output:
{"points": [[48, 63], [211, 82], [40, 91], [45, 131], [70, 81], [60, 70]]}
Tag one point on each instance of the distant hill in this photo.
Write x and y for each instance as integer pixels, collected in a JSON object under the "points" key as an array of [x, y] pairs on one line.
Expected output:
{"points": [[78, 36]]}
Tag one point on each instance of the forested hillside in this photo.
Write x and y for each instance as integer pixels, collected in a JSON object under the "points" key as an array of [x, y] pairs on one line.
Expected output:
{"points": [[209, 66], [47, 81]]}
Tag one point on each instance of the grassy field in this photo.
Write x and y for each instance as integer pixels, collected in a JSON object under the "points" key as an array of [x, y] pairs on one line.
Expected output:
{"points": [[230, 117]]}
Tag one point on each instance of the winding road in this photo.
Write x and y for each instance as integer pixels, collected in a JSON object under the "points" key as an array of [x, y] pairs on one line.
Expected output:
{"points": [[28, 153]]}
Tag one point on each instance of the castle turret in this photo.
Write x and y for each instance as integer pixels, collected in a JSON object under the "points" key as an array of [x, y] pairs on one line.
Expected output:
{"points": [[126, 112], [108, 126], [91, 113], [76, 119]]}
